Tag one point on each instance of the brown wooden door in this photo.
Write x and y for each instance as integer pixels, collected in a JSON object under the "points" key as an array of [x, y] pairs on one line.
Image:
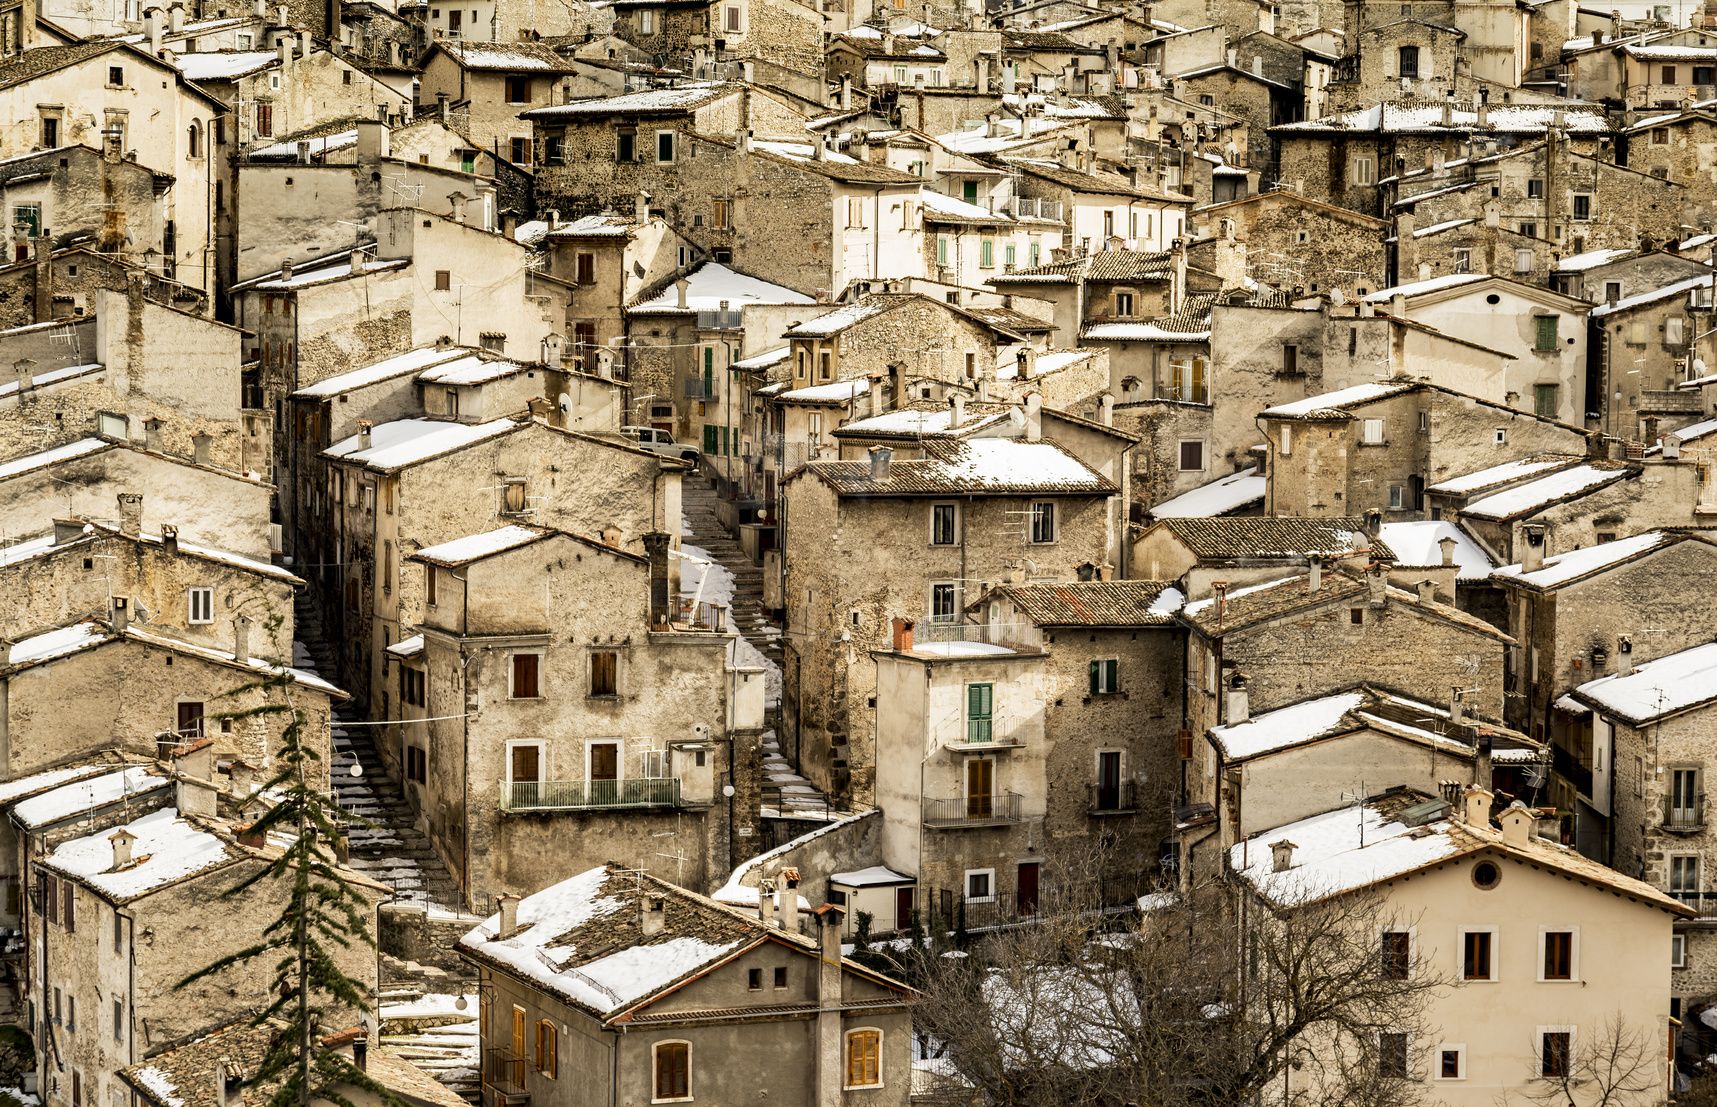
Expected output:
{"points": [[526, 775], [980, 796], [903, 908], [1027, 887], [605, 773]]}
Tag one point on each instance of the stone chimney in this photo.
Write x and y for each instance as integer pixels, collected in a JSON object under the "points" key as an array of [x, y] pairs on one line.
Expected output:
{"points": [[1427, 591], [1033, 417], [902, 637], [1239, 706], [366, 436], [170, 539], [652, 914], [956, 409], [1457, 712], [880, 459], [119, 613], [1624, 655], [456, 200], [1517, 824], [304, 44], [641, 208], [121, 840], [286, 269], [1282, 855], [509, 911], [552, 345], [1026, 362], [1476, 806], [1484, 763], [830, 1071], [25, 370], [1106, 409], [656, 550], [1447, 545], [193, 778], [176, 17], [241, 638], [1377, 585], [152, 28], [681, 289], [130, 514], [1315, 575], [1532, 554], [766, 901]]}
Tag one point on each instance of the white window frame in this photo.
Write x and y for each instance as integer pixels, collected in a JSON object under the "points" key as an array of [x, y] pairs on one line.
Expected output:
{"points": [[691, 1085], [1678, 951], [673, 146], [1669, 869], [953, 615], [207, 595], [1363, 170], [1286, 449], [646, 21], [881, 1040], [966, 886], [542, 760], [1031, 523], [619, 745], [1460, 1050], [1573, 1033], [1371, 432], [1461, 955], [1573, 958]]}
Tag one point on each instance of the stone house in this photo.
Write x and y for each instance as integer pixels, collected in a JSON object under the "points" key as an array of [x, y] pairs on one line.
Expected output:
{"points": [[119, 912], [1680, 146], [868, 541], [1648, 346], [1257, 99], [78, 192], [563, 650], [778, 34], [99, 684], [1037, 734], [87, 478], [1106, 286], [1577, 946], [886, 64], [1648, 731], [188, 590], [611, 259], [61, 282], [692, 1001], [1400, 59], [490, 84], [1197, 553], [1543, 331], [1478, 244], [134, 370], [413, 483], [1305, 243], [109, 91], [1664, 73], [902, 337], [1605, 276], [1101, 206], [967, 243], [1379, 446]]}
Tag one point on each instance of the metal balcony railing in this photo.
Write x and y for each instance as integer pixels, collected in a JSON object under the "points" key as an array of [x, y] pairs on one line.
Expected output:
{"points": [[1683, 819], [585, 795], [1703, 902], [992, 809], [504, 1078], [714, 319], [1037, 209], [1113, 799]]}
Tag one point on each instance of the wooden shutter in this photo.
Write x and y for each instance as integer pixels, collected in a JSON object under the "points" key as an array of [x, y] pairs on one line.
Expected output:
{"points": [[525, 673]]}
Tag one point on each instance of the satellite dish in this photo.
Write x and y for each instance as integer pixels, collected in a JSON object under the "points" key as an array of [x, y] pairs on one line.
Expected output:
{"points": [[565, 403], [1338, 297], [139, 613], [1699, 367]]}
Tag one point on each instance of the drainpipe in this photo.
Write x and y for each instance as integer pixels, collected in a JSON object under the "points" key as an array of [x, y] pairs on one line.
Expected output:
{"points": [[876, 238]]}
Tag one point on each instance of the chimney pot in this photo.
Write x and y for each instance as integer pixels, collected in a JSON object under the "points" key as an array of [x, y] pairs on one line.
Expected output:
{"points": [[1282, 855], [1477, 805], [1239, 700], [1447, 545], [652, 914], [121, 840], [1033, 417], [880, 459], [1427, 591], [241, 638], [1315, 578], [121, 613], [509, 911], [902, 639], [170, 539], [1532, 554], [956, 409]]}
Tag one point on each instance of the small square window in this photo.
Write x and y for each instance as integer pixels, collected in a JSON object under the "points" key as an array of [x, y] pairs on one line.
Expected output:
{"points": [[116, 75], [1356, 616], [443, 280], [754, 979], [780, 976], [1452, 1062], [201, 603]]}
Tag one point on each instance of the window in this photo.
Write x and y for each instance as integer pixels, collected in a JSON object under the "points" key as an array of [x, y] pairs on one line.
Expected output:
{"points": [[1678, 951], [754, 979], [864, 1059], [1535, 188], [1397, 954], [513, 498], [1392, 1055], [1530, 230], [855, 212], [1555, 1053], [1451, 1062], [1545, 400], [780, 976], [1668, 75], [1558, 960], [518, 90], [673, 1071], [1523, 261], [1042, 523], [943, 523], [519, 150], [647, 22], [264, 120], [1660, 136], [430, 578], [1371, 432], [942, 603], [1477, 954], [1123, 303], [625, 146], [1407, 58], [416, 765], [188, 720], [986, 253], [1290, 360], [1463, 259], [823, 368], [411, 686], [1685, 799], [50, 131], [548, 1061], [1364, 171], [1105, 676], [981, 885], [605, 672], [1486, 875], [723, 215], [201, 603], [118, 1018], [443, 280], [980, 705], [941, 249], [1683, 875], [527, 670], [116, 76], [664, 146], [554, 150], [1192, 455], [731, 16], [1582, 206]]}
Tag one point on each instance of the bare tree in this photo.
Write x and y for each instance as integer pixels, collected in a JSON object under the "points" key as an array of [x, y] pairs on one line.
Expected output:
{"points": [[1202, 999], [1617, 1065]]}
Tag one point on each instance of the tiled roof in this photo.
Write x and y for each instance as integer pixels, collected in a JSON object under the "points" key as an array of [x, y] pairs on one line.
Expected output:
{"points": [[1118, 603], [1104, 265], [46, 59], [1228, 538], [1098, 182], [1255, 604], [970, 467]]}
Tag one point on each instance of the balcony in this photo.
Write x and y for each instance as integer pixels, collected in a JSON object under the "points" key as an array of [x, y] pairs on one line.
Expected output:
{"points": [[1027, 208], [1120, 798], [1569, 768], [714, 319], [590, 795], [973, 811], [504, 1079], [1684, 820]]}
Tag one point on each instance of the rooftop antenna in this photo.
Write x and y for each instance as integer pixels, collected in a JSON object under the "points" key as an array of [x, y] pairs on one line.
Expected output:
{"points": [[1358, 799]]}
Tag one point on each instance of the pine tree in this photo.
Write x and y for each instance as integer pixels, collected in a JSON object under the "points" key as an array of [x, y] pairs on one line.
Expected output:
{"points": [[323, 915]]}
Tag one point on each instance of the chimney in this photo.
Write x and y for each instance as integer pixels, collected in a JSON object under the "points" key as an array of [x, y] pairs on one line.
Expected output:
{"points": [[121, 839], [880, 458], [1374, 523], [787, 899], [281, 13], [357, 260], [1449, 109], [1484, 764], [902, 639], [67, 530], [1447, 545], [241, 638], [1624, 655], [25, 369], [830, 1074], [766, 901], [283, 51], [652, 914], [1532, 555], [641, 208], [873, 395], [194, 790], [442, 108], [552, 345], [1026, 362], [1282, 855], [1427, 591], [1377, 585], [120, 613], [1315, 579], [170, 539], [1456, 711], [1483, 119], [1106, 409], [1477, 805], [681, 287], [1517, 824], [456, 200], [1239, 706], [304, 44], [509, 921], [130, 513], [656, 550], [1033, 417], [152, 28], [200, 447], [286, 270], [361, 1054], [175, 17], [956, 409]]}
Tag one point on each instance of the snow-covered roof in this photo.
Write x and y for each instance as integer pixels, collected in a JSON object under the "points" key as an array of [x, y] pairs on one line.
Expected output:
{"points": [[1543, 492], [1419, 544], [471, 370], [685, 97], [1336, 403], [86, 634], [602, 225], [475, 547], [1008, 135], [1429, 284], [839, 320], [1506, 473], [1657, 688], [970, 466], [1139, 332], [1591, 259], [224, 65], [167, 849], [54, 376], [402, 442], [1342, 851], [57, 643], [83, 447], [1572, 565], [71, 800], [1579, 120], [938, 205], [326, 273], [521, 57], [399, 365], [19, 787], [836, 392], [917, 422], [872, 877], [711, 285], [317, 147], [765, 360], [1219, 497], [1293, 725], [961, 649], [407, 647], [1639, 299], [25, 549]]}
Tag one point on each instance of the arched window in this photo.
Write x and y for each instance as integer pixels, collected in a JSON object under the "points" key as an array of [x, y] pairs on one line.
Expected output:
{"points": [[673, 1071], [194, 141], [548, 1052], [864, 1058]]}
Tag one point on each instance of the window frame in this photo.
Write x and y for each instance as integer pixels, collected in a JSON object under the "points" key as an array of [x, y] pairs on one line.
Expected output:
{"points": [[547, 1061], [953, 520], [1406, 1068], [953, 591], [1042, 529], [513, 658], [874, 1037], [1573, 976], [1105, 676], [672, 137], [1373, 432], [656, 1095], [207, 595], [973, 716], [1541, 345], [613, 692], [966, 885], [1490, 958], [1459, 1049], [1386, 956], [1567, 1058], [1180, 456]]}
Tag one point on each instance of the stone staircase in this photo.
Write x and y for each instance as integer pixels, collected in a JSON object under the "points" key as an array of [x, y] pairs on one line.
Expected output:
{"points": [[436, 1031], [390, 849], [698, 502]]}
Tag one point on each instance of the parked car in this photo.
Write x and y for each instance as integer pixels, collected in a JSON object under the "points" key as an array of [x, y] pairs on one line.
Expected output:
{"points": [[660, 442]]}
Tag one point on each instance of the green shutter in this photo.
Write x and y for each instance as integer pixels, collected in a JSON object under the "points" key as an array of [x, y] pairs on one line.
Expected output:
{"points": [[1096, 677], [941, 249], [979, 698], [709, 438], [1546, 333]]}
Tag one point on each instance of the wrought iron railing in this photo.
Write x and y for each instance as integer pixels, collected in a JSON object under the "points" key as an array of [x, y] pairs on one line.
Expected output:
{"points": [[582, 795], [1113, 799], [987, 809]]}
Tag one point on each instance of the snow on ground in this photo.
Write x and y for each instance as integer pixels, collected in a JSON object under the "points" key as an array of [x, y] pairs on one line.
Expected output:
{"points": [[702, 576]]}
